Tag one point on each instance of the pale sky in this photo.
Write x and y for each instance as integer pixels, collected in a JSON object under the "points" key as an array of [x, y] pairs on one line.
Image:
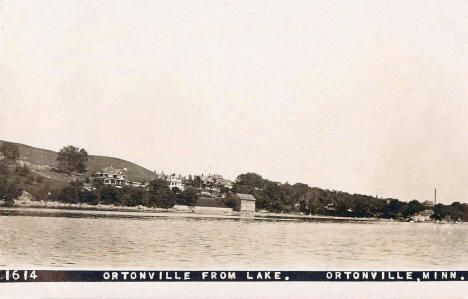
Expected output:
{"points": [[365, 97]]}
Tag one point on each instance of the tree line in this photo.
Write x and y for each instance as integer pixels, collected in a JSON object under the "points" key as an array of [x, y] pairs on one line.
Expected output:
{"points": [[301, 198], [158, 195]]}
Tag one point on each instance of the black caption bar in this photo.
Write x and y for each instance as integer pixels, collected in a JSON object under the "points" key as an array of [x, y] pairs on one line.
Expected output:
{"points": [[7, 276]]}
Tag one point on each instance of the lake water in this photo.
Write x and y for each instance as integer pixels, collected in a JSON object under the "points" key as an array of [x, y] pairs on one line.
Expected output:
{"points": [[174, 242]]}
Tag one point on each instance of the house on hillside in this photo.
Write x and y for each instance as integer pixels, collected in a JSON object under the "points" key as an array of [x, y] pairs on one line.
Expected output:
{"points": [[428, 203], [213, 182], [247, 205], [111, 176], [161, 176], [176, 181], [205, 193], [225, 183]]}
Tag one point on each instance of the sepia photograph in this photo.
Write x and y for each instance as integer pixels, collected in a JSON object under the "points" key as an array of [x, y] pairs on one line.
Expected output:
{"points": [[234, 149]]}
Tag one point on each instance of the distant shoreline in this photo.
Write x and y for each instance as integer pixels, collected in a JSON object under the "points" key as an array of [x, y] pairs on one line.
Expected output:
{"points": [[195, 211], [34, 208]]}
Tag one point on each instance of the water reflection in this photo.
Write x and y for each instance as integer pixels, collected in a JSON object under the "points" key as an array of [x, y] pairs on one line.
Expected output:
{"points": [[91, 240]]}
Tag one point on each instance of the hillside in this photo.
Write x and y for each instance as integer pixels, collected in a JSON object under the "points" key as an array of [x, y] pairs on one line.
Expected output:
{"points": [[39, 157]]}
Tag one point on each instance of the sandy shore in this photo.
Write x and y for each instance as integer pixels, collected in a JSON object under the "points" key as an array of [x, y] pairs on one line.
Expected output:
{"points": [[100, 207]]}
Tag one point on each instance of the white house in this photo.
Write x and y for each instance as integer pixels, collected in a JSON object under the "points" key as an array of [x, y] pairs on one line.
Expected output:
{"points": [[175, 181]]}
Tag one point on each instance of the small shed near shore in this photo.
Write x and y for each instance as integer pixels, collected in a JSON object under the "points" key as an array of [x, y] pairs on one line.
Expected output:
{"points": [[247, 204]]}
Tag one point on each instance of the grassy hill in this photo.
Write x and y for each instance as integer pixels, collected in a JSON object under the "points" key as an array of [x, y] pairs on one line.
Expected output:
{"points": [[41, 157]]}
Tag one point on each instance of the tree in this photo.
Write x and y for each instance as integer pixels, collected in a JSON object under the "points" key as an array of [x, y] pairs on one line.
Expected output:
{"points": [[457, 211], [441, 211], [108, 195], [134, 196], [8, 190], [197, 182], [188, 197], [68, 194], [361, 207], [343, 205], [250, 179], [88, 197], [309, 203], [161, 202], [413, 208], [97, 184], [160, 195], [158, 186], [232, 201], [10, 150], [393, 208], [72, 159]]}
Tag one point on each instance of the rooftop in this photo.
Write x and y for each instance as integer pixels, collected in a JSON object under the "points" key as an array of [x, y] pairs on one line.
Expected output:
{"points": [[111, 170], [246, 196]]}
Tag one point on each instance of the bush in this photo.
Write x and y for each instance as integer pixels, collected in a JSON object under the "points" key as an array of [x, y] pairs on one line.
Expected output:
{"points": [[40, 194], [161, 202], [232, 201], [188, 197], [30, 180], [39, 179], [88, 197], [76, 183], [22, 170], [108, 195], [68, 194], [133, 197]]}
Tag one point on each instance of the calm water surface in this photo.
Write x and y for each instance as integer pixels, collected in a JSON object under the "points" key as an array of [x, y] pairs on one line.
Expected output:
{"points": [[173, 242]]}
